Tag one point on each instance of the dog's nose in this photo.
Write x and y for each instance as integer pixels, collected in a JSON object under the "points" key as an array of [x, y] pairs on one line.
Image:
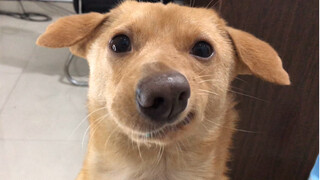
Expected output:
{"points": [[161, 97]]}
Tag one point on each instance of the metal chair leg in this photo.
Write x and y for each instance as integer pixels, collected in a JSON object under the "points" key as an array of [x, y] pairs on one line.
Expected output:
{"points": [[69, 77]]}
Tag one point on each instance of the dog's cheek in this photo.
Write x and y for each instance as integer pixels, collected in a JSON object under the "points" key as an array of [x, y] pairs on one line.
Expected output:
{"points": [[100, 68], [211, 96], [123, 105]]}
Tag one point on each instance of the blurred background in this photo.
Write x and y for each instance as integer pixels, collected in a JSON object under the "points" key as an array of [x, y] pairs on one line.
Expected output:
{"points": [[43, 127]]}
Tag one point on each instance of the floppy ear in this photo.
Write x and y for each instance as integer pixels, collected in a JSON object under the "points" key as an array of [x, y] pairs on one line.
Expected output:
{"points": [[69, 31], [258, 57]]}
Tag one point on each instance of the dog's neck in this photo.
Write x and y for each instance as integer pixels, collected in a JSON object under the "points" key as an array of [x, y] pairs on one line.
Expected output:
{"points": [[115, 156]]}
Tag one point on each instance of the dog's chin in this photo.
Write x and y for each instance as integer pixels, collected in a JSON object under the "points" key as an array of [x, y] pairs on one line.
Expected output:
{"points": [[168, 133]]}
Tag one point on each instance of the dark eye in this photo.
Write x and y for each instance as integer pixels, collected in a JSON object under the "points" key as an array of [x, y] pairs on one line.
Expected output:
{"points": [[120, 44], [202, 49]]}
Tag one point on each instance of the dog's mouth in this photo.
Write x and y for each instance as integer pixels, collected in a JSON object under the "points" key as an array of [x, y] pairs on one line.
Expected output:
{"points": [[162, 132]]}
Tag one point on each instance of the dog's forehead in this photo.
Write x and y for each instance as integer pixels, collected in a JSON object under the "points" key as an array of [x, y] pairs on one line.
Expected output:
{"points": [[157, 15]]}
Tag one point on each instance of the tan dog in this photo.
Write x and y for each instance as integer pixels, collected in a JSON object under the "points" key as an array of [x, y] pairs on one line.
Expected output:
{"points": [[158, 97]]}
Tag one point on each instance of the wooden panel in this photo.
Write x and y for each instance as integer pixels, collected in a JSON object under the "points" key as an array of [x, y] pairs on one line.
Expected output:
{"points": [[285, 143]]}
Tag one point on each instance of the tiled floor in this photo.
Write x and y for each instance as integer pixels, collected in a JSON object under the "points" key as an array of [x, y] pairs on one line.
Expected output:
{"points": [[39, 110]]}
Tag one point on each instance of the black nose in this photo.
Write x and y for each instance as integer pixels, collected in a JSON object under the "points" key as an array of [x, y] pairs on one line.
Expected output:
{"points": [[161, 97]]}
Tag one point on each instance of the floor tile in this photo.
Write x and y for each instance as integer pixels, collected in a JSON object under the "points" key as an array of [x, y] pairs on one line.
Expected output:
{"points": [[48, 107], [17, 48], [42, 116], [39, 160]]}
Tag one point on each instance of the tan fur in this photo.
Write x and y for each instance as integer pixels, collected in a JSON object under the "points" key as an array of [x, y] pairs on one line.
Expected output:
{"points": [[161, 37], [259, 57], [68, 31]]}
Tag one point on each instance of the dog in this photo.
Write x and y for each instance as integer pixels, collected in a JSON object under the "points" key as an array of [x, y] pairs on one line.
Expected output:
{"points": [[158, 98]]}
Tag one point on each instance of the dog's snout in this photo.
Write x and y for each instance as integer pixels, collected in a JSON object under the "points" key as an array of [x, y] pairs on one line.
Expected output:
{"points": [[161, 97]]}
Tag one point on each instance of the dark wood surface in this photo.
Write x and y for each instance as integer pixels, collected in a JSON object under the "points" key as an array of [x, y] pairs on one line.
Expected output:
{"points": [[286, 124]]}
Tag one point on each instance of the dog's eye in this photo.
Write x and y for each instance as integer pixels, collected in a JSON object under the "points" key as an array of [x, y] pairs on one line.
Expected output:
{"points": [[202, 49], [120, 44]]}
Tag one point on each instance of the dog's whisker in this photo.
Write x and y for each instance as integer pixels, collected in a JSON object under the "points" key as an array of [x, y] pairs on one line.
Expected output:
{"points": [[82, 142], [91, 125], [161, 154], [158, 155], [233, 129], [198, 77], [220, 5], [209, 80], [177, 150], [237, 88], [188, 143], [203, 70], [107, 140], [205, 127], [131, 134], [193, 4], [84, 120], [233, 91], [237, 78], [139, 151], [218, 1], [97, 125], [210, 75], [185, 144], [246, 95], [210, 4], [210, 92]]}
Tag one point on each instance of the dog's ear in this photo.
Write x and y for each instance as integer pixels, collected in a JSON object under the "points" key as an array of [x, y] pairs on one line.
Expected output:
{"points": [[257, 57], [70, 31]]}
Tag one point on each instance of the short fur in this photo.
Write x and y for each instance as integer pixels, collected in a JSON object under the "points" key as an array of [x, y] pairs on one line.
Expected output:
{"points": [[161, 36]]}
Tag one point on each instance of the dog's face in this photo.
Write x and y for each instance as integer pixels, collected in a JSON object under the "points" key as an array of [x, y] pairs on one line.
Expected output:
{"points": [[162, 72], [160, 65]]}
